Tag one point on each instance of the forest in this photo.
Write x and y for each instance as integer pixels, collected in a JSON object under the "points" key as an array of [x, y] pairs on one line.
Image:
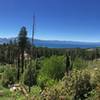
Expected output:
{"points": [[28, 72]]}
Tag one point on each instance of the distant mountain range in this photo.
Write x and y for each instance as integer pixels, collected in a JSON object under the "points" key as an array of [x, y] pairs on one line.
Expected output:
{"points": [[57, 43]]}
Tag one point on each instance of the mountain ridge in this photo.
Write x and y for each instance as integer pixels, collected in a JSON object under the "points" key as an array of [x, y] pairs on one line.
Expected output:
{"points": [[57, 43]]}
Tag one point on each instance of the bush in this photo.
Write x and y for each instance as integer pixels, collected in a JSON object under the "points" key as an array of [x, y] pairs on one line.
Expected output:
{"points": [[77, 86], [29, 76], [9, 76], [35, 90], [2, 68], [45, 81], [80, 63], [83, 86], [59, 91], [53, 67]]}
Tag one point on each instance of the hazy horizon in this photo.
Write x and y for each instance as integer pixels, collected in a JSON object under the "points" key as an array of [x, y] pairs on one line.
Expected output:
{"points": [[54, 40]]}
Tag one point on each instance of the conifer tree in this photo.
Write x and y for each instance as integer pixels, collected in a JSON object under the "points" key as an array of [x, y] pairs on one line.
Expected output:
{"points": [[22, 43]]}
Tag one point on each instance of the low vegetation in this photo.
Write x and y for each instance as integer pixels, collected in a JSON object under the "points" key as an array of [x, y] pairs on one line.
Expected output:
{"points": [[33, 73]]}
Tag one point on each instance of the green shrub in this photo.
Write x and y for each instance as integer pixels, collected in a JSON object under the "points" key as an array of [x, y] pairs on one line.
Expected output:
{"points": [[29, 75], [80, 63], [45, 81], [35, 90], [2, 68], [9, 76], [77, 86], [53, 67], [59, 91]]}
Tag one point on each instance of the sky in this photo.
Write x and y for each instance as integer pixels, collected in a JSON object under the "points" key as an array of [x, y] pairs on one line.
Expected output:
{"points": [[70, 20]]}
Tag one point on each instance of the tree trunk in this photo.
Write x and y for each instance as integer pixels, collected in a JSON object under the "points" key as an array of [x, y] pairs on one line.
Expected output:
{"points": [[29, 89], [18, 68], [22, 59]]}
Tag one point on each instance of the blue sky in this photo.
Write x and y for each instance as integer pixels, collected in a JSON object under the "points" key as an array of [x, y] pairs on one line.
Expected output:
{"points": [[75, 20]]}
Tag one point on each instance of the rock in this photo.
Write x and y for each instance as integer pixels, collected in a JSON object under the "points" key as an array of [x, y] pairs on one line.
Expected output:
{"points": [[13, 89], [1, 93], [95, 69]]}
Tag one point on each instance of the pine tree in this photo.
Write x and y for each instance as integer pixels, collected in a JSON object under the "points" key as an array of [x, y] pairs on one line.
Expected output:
{"points": [[22, 43]]}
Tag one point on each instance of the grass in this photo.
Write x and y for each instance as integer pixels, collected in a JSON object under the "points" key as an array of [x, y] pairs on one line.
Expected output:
{"points": [[6, 94]]}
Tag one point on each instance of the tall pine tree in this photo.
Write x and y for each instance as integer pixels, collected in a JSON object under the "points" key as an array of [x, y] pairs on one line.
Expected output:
{"points": [[22, 43]]}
